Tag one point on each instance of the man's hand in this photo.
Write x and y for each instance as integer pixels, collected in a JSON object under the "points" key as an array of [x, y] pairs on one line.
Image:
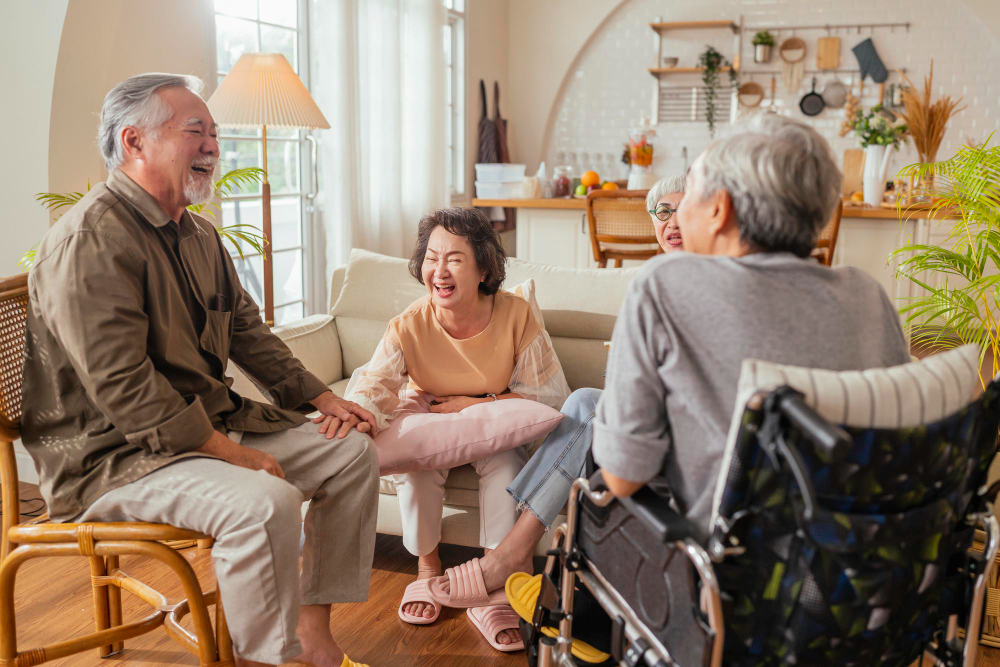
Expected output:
{"points": [[246, 457], [340, 410], [450, 404]]}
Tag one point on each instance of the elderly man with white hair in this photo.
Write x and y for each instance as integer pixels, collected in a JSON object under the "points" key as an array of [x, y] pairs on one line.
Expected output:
{"points": [[135, 309], [755, 204]]}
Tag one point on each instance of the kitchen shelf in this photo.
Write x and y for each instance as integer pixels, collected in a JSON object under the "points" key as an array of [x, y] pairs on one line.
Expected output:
{"points": [[693, 25], [656, 71]]}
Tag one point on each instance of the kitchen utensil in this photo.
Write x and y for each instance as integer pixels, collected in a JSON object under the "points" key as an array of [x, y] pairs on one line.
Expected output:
{"points": [[771, 108], [885, 110], [751, 94], [834, 94], [812, 103], [669, 61], [828, 53], [793, 54], [854, 164], [869, 61]]}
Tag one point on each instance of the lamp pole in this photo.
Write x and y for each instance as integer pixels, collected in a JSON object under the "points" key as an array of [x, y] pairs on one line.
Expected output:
{"points": [[266, 220]]}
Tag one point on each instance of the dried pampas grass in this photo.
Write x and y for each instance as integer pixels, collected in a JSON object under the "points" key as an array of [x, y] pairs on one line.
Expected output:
{"points": [[927, 120]]}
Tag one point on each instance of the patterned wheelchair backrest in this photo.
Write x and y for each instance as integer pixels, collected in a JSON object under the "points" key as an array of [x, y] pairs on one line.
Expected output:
{"points": [[874, 574]]}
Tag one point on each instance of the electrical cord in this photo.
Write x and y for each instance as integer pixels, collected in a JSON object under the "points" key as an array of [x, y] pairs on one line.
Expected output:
{"points": [[31, 513]]}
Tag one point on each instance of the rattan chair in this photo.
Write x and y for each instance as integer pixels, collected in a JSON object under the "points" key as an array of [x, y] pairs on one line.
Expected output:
{"points": [[620, 226], [101, 543], [823, 252]]}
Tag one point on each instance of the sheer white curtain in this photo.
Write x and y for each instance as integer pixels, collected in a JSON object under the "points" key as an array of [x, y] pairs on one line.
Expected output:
{"points": [[378, 75]]}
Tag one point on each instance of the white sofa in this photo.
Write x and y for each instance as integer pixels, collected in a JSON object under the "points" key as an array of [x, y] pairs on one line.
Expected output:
{"points": [[579, 307]]}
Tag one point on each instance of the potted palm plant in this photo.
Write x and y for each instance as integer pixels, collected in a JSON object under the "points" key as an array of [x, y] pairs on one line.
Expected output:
{"points": [[237, 236], [965, 308]]}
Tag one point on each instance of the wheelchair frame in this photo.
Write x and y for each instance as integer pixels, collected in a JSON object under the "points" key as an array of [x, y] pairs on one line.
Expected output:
{"points": [[644, 648]]}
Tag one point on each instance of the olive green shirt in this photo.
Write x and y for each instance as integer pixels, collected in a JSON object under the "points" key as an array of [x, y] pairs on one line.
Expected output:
{"points": [[131, 321]]}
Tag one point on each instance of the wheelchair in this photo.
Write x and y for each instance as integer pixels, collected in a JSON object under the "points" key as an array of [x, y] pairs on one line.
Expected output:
{"points": [[830, 545]]}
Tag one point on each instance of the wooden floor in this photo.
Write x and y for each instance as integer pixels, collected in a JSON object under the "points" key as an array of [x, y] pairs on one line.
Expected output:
{"points": [[54, 602]]}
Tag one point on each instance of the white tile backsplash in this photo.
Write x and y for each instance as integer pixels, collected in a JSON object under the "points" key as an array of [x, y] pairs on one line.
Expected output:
{"points": [[610, 88]]}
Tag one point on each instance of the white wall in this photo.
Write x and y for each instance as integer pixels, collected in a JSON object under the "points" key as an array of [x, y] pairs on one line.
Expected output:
{"points": [[609, 88], [103, 43], [29, 44]]}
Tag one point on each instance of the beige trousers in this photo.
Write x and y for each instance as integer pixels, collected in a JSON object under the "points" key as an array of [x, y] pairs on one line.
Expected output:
{"points": [[421, 501], [255, 519]]}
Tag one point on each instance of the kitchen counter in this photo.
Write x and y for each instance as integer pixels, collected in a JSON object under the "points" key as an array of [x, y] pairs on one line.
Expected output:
{"points": [[556, 202], [887, 213]]}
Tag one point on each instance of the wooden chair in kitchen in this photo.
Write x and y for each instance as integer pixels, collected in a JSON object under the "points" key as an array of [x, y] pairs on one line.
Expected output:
{"points": [[101, 543], [827, 243], [620, 226]]}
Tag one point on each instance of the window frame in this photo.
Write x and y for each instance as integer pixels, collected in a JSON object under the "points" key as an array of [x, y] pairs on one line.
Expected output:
{"points": [[456, 144]]}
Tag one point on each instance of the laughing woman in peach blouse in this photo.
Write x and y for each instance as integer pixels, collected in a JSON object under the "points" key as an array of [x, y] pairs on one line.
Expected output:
{"points": [[465, 342]]}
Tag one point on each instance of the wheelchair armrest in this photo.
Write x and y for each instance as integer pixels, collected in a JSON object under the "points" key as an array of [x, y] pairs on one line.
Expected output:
{"points": [[654, 512]]}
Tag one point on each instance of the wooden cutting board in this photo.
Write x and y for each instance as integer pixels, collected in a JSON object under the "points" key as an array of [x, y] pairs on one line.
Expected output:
{"points": [[828, 53], [854, 165]]}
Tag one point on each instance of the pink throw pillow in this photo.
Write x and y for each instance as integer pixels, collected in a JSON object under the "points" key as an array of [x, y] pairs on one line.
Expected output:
{"points": [[418, 439]]}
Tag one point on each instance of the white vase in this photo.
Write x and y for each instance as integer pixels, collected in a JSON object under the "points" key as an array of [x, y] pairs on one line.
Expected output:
{"points": [[873, 178]]}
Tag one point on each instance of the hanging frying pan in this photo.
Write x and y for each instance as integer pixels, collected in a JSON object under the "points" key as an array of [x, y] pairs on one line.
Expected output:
{"points": [[835, 94], [812, 103]]}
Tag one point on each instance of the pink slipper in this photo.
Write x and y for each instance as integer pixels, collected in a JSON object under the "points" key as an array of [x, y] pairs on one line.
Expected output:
{"points": [[466, 588], [417, 591], [493, 620]]}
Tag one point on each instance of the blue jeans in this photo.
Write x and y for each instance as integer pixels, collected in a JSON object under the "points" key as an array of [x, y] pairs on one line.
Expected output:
{"points": [[542, 487]]}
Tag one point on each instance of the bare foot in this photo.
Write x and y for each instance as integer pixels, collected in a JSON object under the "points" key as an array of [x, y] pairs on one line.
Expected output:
{"points": [[428, 567]]}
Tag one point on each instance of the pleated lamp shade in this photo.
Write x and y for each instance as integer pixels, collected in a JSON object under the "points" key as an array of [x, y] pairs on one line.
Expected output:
{"points": [[263, 89]]}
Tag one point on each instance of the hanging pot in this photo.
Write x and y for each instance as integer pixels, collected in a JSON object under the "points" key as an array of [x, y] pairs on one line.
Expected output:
{"points": [[812, 103], [835, 94], [762, 53]]}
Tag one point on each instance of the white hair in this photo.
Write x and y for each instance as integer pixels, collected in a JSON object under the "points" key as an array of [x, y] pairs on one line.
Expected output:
{"points": [[132, 103], [670, 185], [782, 178]]}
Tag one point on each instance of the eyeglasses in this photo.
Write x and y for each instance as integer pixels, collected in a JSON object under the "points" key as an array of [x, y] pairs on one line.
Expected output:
{"points": [[663, 212]]}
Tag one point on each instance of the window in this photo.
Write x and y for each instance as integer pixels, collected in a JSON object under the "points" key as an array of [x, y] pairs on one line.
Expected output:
{"points": [[269, 26], [454, 63]]}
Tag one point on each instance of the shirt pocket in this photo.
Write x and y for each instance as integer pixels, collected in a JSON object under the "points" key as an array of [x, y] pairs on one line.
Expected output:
{"points": [[215, 336]]}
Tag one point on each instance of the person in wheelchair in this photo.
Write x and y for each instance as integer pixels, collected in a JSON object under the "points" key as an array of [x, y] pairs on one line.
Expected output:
{"points": [[754, 205]]}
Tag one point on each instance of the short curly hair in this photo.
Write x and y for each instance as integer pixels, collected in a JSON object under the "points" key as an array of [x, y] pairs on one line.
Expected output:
{"points": [[472, 225]]}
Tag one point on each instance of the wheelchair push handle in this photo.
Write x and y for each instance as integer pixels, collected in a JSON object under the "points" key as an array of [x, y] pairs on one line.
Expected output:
{"points": [[829, 438]]}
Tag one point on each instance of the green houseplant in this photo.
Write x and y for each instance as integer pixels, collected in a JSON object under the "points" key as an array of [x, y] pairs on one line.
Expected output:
{"points": [[231, 182], [762, 43], [712, 62], [966, 307], [876, 134]]}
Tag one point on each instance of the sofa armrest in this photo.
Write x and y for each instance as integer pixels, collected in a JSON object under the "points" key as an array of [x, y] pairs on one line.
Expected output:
{"points": [[313, 340]]}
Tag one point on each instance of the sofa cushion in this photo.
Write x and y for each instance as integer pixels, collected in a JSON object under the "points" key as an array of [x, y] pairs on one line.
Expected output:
{"points": [[418, 439]]}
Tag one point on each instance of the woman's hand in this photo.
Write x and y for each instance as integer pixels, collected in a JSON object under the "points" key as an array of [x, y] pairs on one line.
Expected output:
{"points": [[334, 426], [449, 404]]}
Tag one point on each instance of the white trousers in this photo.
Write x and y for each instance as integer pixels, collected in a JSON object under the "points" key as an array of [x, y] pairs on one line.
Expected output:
{"points": [[421, 501]]}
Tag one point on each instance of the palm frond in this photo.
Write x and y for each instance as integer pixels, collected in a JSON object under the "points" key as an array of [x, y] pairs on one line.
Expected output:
{"points": [[238, 180], [28, 259]]}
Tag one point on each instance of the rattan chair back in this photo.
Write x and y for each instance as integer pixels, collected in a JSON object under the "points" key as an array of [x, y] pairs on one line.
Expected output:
{"points": [[827, 242], [620, 226]]}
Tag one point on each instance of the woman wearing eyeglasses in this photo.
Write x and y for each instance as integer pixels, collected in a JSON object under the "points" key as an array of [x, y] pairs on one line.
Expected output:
{"points": [[543, 484], [662, 202]]}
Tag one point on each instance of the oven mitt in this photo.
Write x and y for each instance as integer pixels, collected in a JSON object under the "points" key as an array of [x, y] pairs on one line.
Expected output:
{"points": [[869, 62]]}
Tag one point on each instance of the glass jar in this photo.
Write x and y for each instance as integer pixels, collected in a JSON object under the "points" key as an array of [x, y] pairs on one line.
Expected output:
{"points": [[562, 179]]}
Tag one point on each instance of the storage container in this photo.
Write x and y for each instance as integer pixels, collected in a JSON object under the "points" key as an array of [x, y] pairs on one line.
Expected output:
{"points": [[499, 173], [513, 190]]}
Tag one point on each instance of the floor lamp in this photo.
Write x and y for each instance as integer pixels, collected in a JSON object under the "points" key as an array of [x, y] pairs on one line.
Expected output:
{"points": [[260, 90]]}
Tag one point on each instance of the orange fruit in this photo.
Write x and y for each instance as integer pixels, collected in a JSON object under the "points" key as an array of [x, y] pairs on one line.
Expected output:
{"points": [[590, 178], [610, 185]]}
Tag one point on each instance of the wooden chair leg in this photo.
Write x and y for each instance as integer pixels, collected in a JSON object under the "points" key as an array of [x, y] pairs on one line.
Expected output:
{"points": [[618, 263], [115, 604], [101, 605], [603, 263], [223, 640]]}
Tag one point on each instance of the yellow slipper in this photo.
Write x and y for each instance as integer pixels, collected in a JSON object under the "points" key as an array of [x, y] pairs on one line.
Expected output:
{"points": [[350, 663], [522, 592]]}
